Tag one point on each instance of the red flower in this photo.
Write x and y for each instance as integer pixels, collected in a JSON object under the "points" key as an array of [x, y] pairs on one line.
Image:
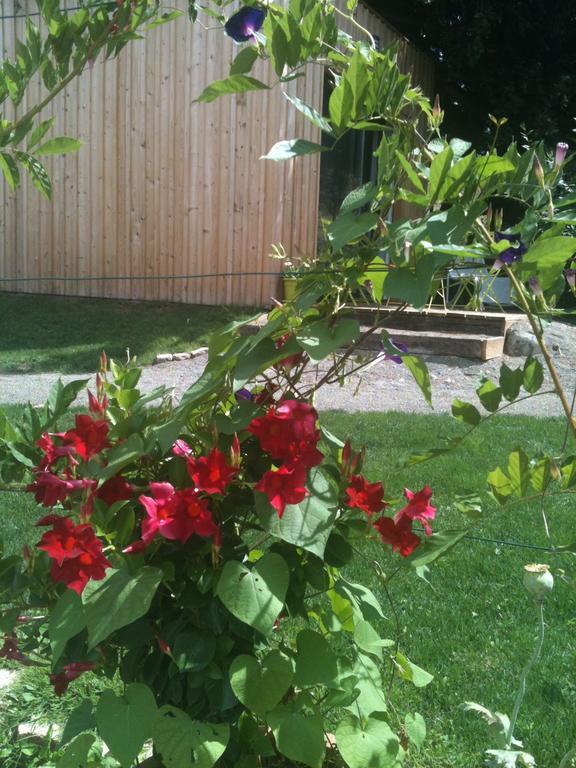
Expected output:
{"points": [[288, 432], [88, 437], [115, 489], [399, 535], [283, 486], [53, 452], [176, 515], [61, 680], [76, 551], [10, 651], [212, 473], [418, 508], [49, 489], [181, 448], [292, 360], [364, 495]]}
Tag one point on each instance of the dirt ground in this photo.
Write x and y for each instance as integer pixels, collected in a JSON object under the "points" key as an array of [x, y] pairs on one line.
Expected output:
{"points": [[387, 385]]}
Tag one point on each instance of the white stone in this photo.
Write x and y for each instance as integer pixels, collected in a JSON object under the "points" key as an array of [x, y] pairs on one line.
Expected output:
{"points": [[199, 351], [164, 358], [520, 342], [7, 677], [181, 356]]}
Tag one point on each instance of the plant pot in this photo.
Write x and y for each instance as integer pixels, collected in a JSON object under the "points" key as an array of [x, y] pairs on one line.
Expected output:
{"points": [[290, 284]]}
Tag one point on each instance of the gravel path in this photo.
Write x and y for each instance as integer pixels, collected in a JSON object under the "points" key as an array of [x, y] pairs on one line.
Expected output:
{"points": [[387, 386]]}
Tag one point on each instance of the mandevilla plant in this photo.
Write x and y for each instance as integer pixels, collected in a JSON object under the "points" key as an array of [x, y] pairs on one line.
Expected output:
{"points": [[200, 558], [197, 552]]}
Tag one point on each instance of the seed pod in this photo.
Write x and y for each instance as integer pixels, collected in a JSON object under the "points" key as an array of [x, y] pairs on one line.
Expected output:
{"points": [[538, 580]]}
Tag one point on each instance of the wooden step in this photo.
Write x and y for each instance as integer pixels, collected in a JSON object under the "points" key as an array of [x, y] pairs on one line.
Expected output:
{"points": [[472, 345], [442, 320]]}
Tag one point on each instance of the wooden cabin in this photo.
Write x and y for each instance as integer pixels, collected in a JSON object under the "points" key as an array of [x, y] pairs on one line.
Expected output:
{"points": [[165, 189]]}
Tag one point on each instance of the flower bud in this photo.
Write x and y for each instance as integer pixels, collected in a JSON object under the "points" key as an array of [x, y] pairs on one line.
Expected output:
{"points": [[535, 286], [561, 150], [538, 580], [538, 170], [570, 275], [235, 455]]}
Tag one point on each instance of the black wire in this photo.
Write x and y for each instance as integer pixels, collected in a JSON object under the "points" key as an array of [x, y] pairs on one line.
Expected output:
{"points": [[57, 278], [508, 543]]}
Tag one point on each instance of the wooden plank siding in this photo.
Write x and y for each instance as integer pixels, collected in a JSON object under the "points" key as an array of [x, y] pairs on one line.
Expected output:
{"points": [[165, 187]]}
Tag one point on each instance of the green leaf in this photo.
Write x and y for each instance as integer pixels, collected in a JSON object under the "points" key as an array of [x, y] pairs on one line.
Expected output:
{"points": [[414, 285], [126, 721], [438, 173], [120, 456], [533, 375], [164, 19], [435, 546], [81, 719], [358, 198], [347, 227], [39, 132], [511, 379], [193, 651], [60, 145], [244, 61], [412, 672], [66, 620], [118, 600], [364, 603], [307, 524], [490, 165], [410, 171], [298, 730], [519, 472], [466, 412], [500, 485], [233, 84], [415, 728], [309, 112], [340, 105], [286, 150], [371, 696], [315, 660], [37, 173], [10, 170], [546, 259], [420, 374], [255, 596], [324, 337], [490, 395], [369, 742], [76, 753], [261, 685], [186, 743], [368, 640]]}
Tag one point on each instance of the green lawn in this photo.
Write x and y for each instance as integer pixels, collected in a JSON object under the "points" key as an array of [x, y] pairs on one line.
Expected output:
{"points": [[67, 335], [474, 627]]}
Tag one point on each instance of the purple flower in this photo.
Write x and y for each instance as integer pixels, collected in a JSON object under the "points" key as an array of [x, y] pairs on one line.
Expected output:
{"points": [[242, 25], [396, 358], [561, 150], [243, 394], [511, 254], [570, 275], [534, 286]]}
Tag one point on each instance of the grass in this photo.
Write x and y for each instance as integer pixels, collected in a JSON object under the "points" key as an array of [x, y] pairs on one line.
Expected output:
{"points": [[474, 627], [67, 335]]}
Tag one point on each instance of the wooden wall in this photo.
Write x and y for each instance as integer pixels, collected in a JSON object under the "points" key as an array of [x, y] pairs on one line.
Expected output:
{"points": [[164, 187]]}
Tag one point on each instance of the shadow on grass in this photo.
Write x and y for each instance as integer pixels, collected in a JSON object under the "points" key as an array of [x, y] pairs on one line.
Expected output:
{"points": [[67, 335]]}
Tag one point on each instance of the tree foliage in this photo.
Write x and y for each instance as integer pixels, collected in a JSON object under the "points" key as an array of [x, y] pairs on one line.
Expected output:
{"points": [[513, 59]]}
